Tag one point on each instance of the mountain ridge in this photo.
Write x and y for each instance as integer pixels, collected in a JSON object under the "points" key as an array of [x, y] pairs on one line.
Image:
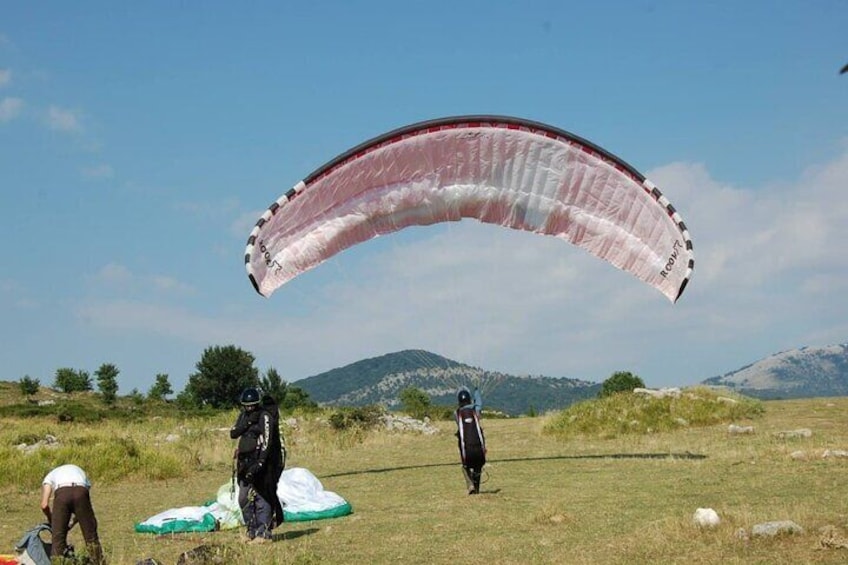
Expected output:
{"points": [[379, 380], [795, 373]]}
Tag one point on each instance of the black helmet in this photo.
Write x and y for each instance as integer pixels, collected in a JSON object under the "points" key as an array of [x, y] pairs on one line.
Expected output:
{"points": [[249, 396], [464, 397]]}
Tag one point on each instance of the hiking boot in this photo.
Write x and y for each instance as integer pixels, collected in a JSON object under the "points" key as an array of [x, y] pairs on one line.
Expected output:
{"points": [[259, 540]]}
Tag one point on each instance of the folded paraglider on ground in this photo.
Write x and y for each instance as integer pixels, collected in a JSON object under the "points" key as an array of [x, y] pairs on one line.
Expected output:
{"points": [[301, 493]]}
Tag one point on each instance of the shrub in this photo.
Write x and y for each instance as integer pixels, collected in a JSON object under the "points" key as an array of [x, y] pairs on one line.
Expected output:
{"points": [[69, 380], [415, 402], [620, 381], [362, 418], [622, 414], [72, 412], [29, 386], [441, 412], [161, 388]]}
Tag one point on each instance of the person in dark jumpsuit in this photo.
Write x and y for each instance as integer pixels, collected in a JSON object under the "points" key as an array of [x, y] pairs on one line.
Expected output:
{"points": [[259, 464], [472, 441]]}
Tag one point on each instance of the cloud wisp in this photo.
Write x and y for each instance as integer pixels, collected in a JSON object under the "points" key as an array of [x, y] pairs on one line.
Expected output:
{"points": [[768, 274]]}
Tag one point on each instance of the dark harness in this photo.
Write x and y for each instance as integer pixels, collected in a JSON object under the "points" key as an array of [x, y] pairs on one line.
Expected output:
{"points": [[249, 446]]}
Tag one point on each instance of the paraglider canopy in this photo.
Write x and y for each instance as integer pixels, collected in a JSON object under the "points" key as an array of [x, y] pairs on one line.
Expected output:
{"points": [[506, 171]]}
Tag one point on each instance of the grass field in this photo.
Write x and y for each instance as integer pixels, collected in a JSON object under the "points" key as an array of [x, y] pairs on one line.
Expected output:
{"points": [[545, 499]]}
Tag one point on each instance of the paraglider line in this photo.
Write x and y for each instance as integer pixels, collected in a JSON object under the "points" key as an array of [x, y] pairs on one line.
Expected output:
{"points": [[672, 456]]}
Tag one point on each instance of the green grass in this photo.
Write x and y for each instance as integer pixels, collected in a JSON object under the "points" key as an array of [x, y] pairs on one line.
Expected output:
{"points": [[631, 414], [578, 497]]}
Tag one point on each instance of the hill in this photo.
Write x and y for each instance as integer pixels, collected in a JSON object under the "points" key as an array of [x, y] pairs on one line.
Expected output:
{"points": [[379, 380], [807, 372]]}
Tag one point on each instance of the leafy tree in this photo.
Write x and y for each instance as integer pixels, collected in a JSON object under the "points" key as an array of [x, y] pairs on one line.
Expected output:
{"points": [[136, 397], [415, 402], [288, 397], [107, 382], [185, 400], [222, 373], [620, 381], [70, 380], [29, 386], [361, 417], [272, 383], [161, 388], [296, 397]]}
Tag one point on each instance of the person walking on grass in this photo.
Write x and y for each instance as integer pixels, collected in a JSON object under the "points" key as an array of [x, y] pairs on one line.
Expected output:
{"points": [[259, 464], [472, 442], [69, 487]]}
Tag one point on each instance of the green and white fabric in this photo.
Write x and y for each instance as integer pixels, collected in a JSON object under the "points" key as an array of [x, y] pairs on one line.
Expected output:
{"points": [[301, 493], [304, 498]]}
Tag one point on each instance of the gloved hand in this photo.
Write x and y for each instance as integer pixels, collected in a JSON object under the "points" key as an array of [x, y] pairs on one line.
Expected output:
{"points": [[252, 472]]}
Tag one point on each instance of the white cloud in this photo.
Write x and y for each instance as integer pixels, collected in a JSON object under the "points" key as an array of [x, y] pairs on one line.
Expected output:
{"points": [[5, 77], [113, 273], [242, 225], [169, 284], [745, 237], [117, 276], [101, 171], [62, 119], [156, 319], [10, 108], [9, 286], [16, 295], [770, 274], [207, 208]]}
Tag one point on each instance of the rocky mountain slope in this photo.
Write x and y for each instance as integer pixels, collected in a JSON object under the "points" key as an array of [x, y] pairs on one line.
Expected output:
{"points": [[797, 373], [380, 380]]}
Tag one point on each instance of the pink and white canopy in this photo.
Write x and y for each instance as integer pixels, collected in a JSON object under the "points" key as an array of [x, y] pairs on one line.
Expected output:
{"points": [[499, 170]]}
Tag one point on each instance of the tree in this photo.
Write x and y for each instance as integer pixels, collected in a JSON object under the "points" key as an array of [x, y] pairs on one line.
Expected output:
{"points": [[288, 397], [185, 400], [296, 397], [222, 373], [29, 386], [136, 397], [161, 388], [415, 402], [107, 382], [273, 384], [70, 380], [620, 381]]}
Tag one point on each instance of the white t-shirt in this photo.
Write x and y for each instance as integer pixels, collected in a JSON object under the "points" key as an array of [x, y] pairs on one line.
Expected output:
{"points": [[66, 475]]}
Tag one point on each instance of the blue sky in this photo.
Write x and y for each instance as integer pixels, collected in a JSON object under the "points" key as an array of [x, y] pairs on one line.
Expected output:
{"points": [[141, 141]]}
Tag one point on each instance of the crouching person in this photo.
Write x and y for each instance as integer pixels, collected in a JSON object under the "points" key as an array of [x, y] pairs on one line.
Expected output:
{"points": [[69, 487]]}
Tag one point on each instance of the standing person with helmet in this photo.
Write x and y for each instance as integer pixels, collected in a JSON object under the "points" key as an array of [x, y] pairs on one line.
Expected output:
{"points": [[472, 442], [259, 464]]}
